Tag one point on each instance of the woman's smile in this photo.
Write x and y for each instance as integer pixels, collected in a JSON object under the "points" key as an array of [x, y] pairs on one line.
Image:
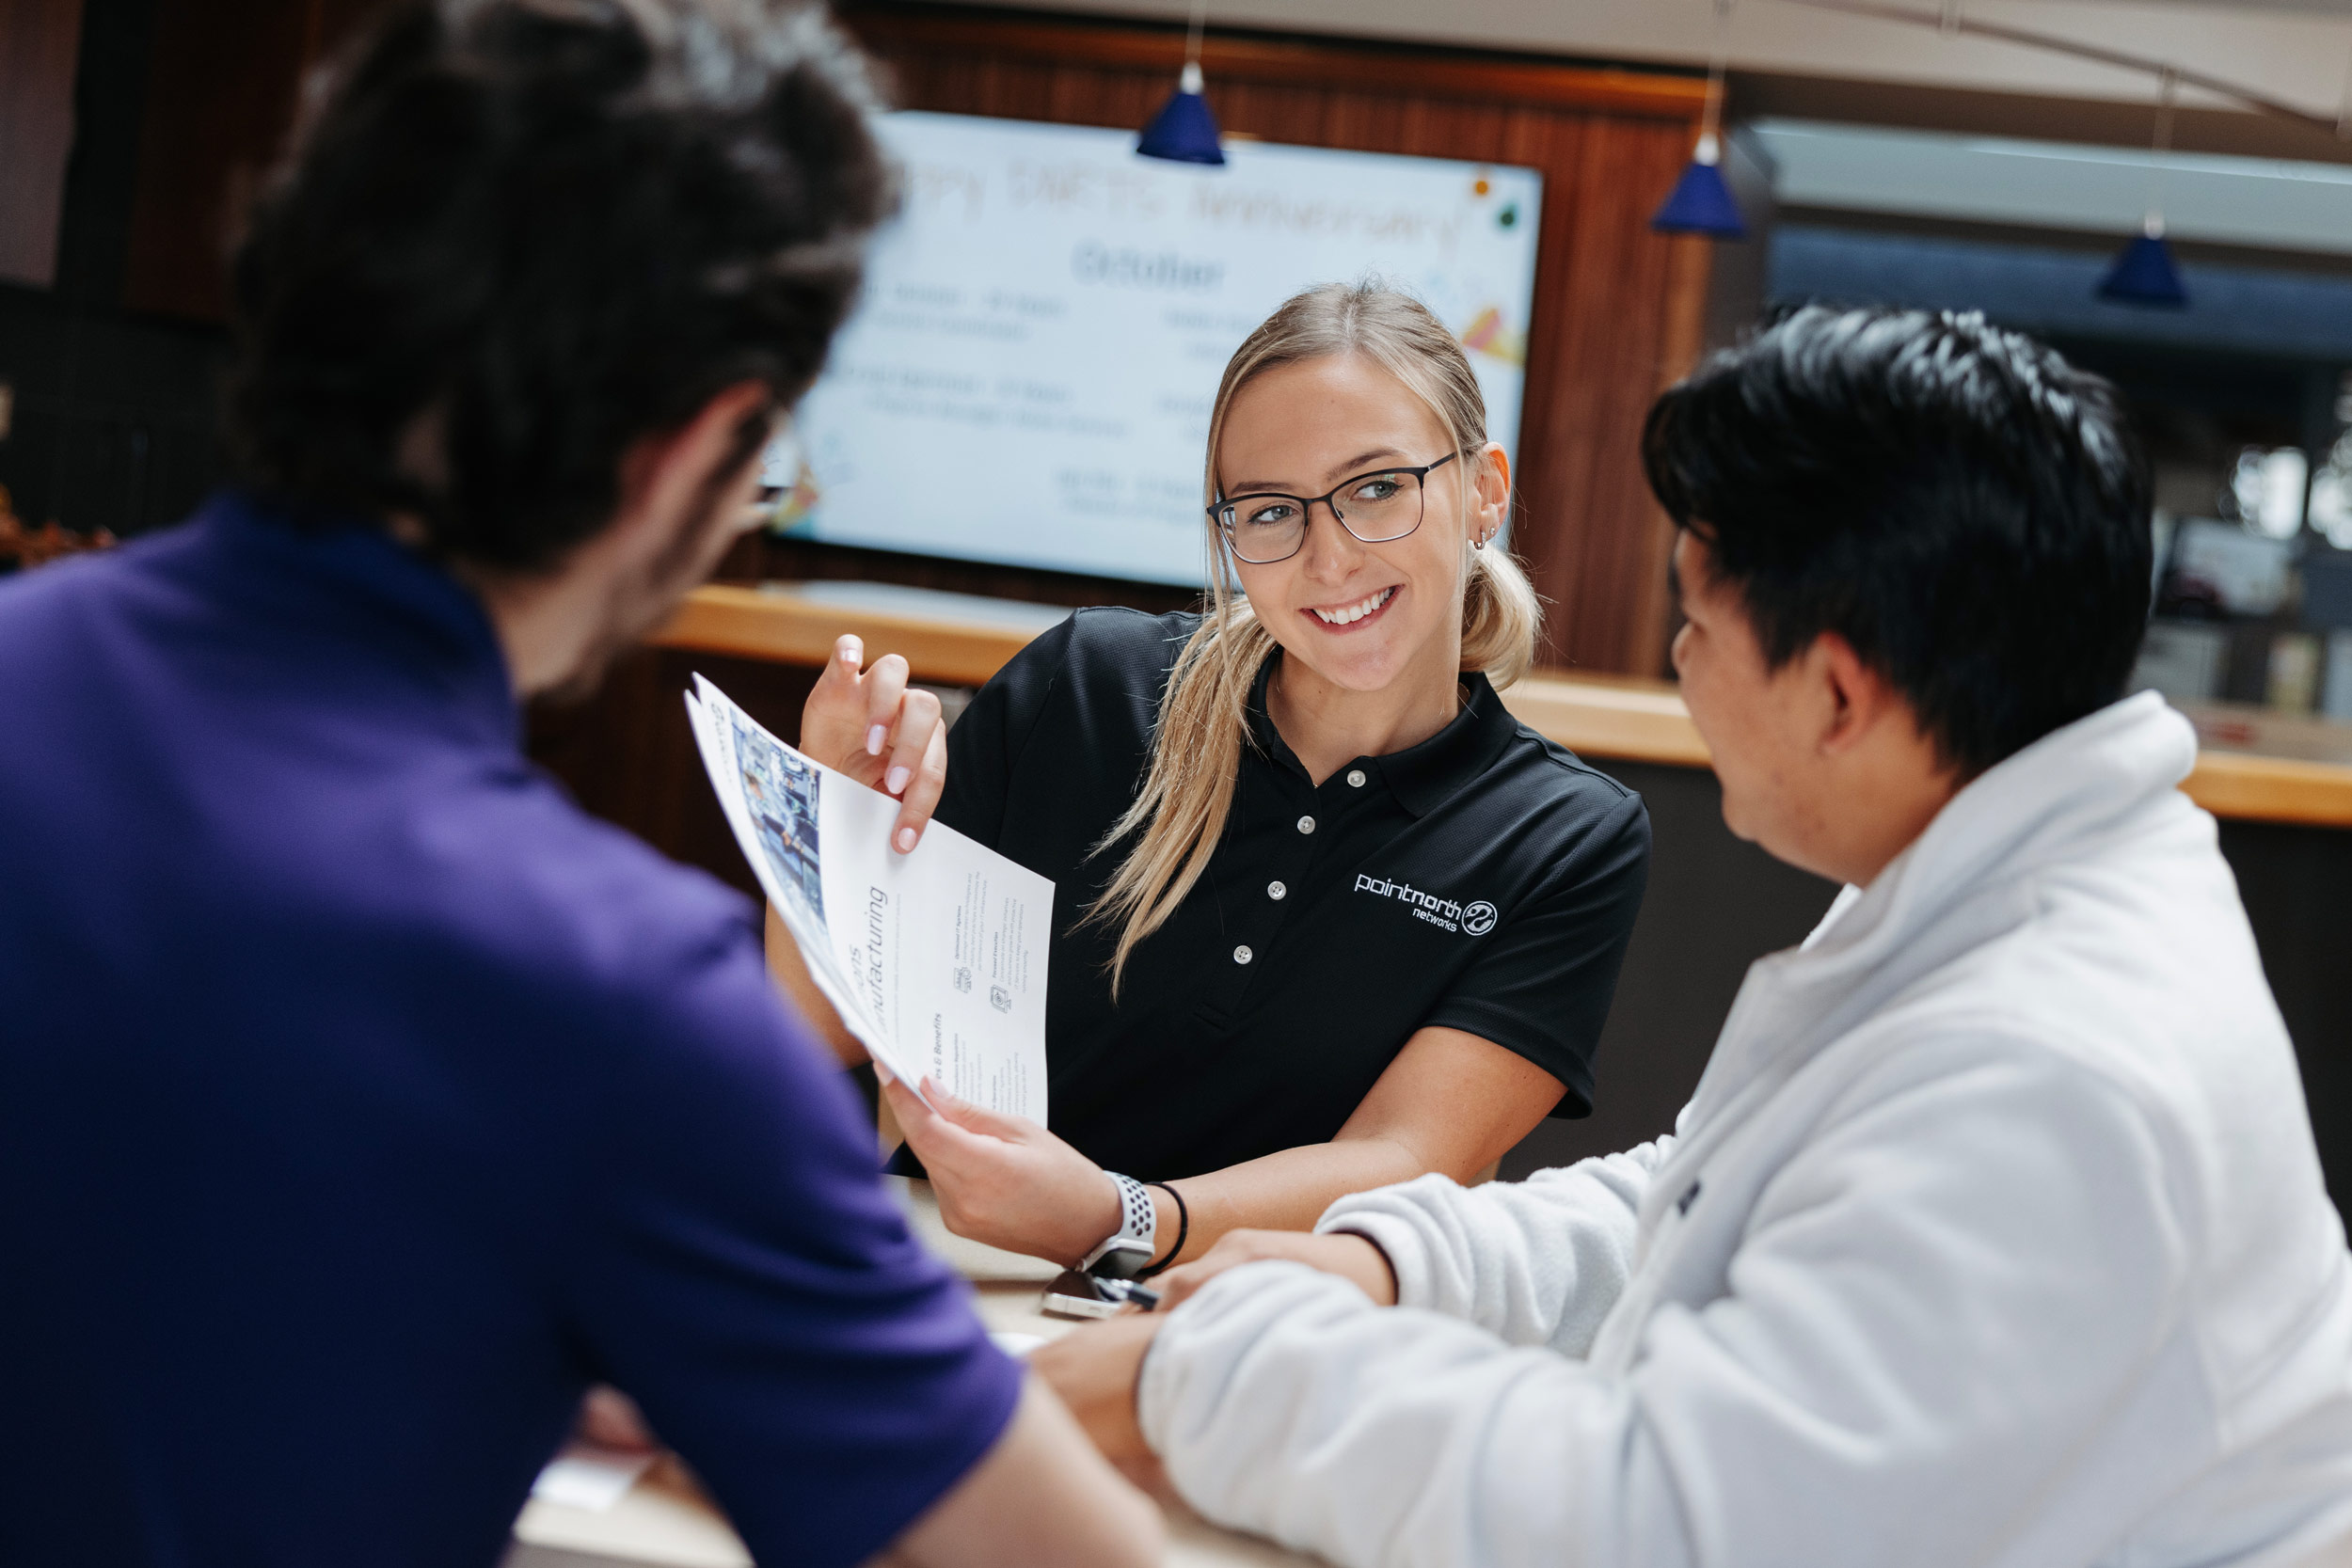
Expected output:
{"points": [[1357, 614]]}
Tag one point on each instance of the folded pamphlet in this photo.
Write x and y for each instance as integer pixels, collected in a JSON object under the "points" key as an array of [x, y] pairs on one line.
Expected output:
{"points": [[936, 960]]}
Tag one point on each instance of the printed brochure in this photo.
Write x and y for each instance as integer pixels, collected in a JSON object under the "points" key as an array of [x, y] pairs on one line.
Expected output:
{"points": [[935, 959]]}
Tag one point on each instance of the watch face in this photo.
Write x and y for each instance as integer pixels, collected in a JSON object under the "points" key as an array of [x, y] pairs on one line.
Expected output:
{"points": [[1122, 1258]]}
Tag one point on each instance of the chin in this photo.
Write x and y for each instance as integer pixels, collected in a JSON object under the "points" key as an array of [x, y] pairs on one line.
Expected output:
{"points": [[1370, 669]]}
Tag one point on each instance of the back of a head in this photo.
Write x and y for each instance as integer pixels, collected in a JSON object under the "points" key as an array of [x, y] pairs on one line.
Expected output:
{"points": [[532, 231], [1963, 506]]}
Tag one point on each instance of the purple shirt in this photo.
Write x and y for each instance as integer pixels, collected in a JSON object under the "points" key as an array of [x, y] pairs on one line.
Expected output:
{"points": [[361, 1102]]}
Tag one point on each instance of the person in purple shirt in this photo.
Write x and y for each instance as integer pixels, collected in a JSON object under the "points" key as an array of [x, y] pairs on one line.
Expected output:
{"points": [[362, 1102]]}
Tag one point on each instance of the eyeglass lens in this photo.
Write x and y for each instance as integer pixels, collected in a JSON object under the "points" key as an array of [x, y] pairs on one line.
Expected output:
{"points": [[1375, 507]]}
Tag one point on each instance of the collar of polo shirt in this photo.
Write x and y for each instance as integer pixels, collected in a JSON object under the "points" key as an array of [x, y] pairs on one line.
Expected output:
{"points": [[1422, 777]]}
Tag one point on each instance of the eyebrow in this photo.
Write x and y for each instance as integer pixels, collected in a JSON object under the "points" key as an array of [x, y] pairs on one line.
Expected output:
{"points": [[1348, 469]]}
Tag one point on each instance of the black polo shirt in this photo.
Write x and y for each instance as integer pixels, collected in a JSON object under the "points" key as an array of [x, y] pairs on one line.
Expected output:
{"points": [[1482, 880]]}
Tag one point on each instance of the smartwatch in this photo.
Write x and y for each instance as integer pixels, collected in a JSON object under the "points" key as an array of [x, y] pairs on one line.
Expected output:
{"points": [[1127, 1251]]}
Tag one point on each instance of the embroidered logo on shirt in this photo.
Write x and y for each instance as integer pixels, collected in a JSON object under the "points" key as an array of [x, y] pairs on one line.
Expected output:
{"points": [[1474, 919]]}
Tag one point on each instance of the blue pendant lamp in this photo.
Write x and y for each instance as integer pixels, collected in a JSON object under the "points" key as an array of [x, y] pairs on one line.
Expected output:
{"points": [[1700, 202], [1184, 132], [2144, 274]]}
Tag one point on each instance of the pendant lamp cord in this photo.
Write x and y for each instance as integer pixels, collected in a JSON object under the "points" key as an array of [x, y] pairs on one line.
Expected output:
{"points": [[2159, 146], [1192, 34], [2344, 105], [1710, 124]]}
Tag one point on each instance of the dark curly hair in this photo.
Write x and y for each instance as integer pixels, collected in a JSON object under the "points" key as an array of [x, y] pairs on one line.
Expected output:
{"points": [[543, 228], [1964, 507]]}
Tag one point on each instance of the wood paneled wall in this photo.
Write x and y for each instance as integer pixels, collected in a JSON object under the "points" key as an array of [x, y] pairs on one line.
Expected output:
{"points": [[225, 80], [1618, 310], [39, 41]]}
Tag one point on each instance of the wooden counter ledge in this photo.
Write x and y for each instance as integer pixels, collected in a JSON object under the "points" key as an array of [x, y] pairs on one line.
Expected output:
{"points": [[955, 641]]}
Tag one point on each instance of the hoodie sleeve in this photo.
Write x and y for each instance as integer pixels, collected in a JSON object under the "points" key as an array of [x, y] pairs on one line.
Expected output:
{"points": [[1950, 1332], [1533, 1262]]}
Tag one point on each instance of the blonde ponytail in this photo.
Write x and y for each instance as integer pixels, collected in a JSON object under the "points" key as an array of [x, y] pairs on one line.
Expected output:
{"points": [[1204, 723]]}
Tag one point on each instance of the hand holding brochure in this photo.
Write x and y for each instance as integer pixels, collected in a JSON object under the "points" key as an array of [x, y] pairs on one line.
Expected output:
{"points": [[935, 959]]}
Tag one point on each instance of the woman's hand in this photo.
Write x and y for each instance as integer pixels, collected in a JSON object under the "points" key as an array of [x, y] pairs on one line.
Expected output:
{"points": [[1352, 1258], [875, 730], [1095, 1371], [1005, 1179]]}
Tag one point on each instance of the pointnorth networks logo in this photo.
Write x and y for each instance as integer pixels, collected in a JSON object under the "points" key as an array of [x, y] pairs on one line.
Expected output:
{"points": [[1474, 919]]}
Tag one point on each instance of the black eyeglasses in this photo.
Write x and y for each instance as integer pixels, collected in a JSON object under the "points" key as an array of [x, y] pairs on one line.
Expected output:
{"points": [[1375, 507]]}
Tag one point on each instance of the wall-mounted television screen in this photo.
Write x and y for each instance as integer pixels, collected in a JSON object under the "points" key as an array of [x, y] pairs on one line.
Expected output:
{"points": [[1027, 378]]}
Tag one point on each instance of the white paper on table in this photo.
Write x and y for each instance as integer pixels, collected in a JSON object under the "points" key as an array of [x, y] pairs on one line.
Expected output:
{"points": [[589, 1478], [935, 959]]}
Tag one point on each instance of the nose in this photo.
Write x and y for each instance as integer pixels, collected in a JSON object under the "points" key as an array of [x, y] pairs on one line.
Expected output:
{"points": [[1330, 551]]}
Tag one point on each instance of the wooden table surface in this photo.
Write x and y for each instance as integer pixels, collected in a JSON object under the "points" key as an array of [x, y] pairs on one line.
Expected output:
{"points": [[958, 639], [664, 1521]]}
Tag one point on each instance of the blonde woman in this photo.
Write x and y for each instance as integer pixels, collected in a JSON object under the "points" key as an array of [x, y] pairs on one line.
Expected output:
{"points": [[1327, 918]]}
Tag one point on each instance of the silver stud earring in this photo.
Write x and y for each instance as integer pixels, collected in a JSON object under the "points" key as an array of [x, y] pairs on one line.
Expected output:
{"points": [[1479, 543]]}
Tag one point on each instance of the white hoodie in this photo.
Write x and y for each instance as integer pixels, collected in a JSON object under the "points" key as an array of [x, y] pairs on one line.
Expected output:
{"points": [[1994, 1234]]}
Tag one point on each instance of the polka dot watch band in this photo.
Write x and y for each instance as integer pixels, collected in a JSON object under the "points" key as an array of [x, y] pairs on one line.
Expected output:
{"points": [[1138, 1220]]}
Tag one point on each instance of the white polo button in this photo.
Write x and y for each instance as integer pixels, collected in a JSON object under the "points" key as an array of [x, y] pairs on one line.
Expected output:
{"points": [[1242, 955], [1275, 890], [1306, 824], [1354, 778]]}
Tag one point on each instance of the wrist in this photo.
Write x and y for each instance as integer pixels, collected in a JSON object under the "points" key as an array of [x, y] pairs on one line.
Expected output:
{"points": [[1166, 1258], [1365, 1265], [1126, 1251], [1099, 1217]]}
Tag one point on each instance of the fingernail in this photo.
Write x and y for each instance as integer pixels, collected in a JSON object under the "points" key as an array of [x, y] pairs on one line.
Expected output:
{"points": [[883, 1072], [895, 779], [906, 840], [874, 738]]}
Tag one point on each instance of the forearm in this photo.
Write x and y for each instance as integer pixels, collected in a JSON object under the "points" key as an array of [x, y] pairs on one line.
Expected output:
{"points": [[1824, 1401], [1042, 1496], [1287, 1190], [1539, 1261], [1450, 1105], [1281, 1401]]}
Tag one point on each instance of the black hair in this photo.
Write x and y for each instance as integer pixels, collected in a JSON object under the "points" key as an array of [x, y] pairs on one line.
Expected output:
{"points": [[1964, 507], [537, 231]]}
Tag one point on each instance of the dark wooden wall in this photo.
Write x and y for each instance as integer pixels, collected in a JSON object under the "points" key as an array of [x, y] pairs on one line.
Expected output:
{"points": [[1618, 310], [39, 41], [222, 92], [113, 408]]}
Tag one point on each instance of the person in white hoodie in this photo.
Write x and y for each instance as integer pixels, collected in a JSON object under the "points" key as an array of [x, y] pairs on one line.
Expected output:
{"points": [[1995, 1232]]}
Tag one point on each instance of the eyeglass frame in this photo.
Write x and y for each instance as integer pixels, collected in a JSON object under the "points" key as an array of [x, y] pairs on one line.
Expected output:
{"points": [[1329, 499]]}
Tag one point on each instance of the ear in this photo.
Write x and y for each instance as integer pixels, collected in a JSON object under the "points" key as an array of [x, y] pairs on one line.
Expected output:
{"points": [[1860, 698], [1490, 490], [666, 475]]}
